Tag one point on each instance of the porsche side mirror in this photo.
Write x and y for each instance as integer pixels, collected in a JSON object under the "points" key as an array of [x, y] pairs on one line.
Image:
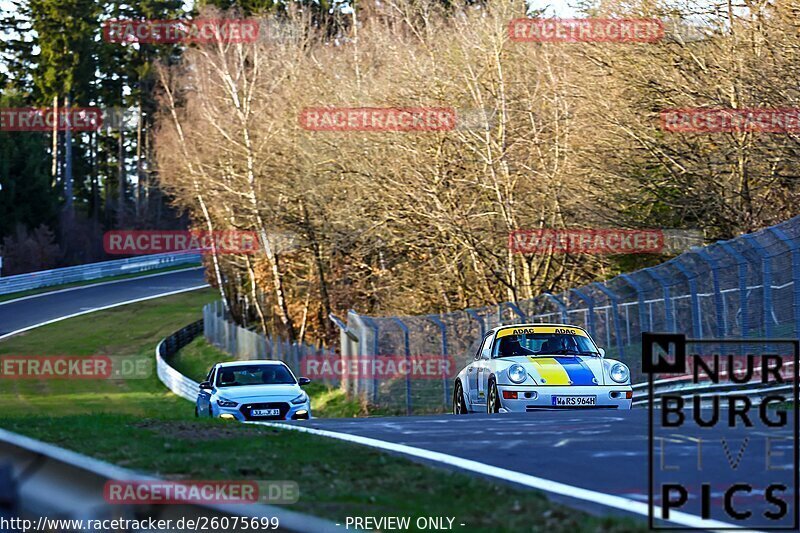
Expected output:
{"points": [[303, 381]]}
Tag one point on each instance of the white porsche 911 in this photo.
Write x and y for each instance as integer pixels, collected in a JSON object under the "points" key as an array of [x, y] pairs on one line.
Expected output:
{"points": [[527, 367]]}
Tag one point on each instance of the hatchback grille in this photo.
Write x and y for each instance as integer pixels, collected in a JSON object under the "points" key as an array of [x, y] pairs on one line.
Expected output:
{"points": [[247, 408]]}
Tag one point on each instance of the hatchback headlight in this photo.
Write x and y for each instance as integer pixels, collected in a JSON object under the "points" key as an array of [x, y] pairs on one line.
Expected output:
{"points": [[517, 373], [300, 399], [619, 373], [224, 402]]}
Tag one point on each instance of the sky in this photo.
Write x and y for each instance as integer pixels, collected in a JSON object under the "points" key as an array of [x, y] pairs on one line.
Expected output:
{"points": [[554, 8]]}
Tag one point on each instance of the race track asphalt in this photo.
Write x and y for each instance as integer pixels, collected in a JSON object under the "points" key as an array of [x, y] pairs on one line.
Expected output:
{"points": [[606, 452], [16, 315]]}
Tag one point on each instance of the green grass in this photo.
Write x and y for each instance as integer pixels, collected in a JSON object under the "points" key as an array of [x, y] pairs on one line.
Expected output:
{"points": [[131, 330], [196, 358], [44, 290], [137, 424]]}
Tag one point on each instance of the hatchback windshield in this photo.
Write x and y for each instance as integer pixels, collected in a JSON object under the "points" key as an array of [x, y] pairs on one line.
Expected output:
{"points": [[544, 344], [232, 376]]}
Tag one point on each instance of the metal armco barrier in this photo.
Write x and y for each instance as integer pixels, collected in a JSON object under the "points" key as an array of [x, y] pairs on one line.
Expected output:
{"points": [[755, 391], [176, 382], [55, 483], [92, 271]]}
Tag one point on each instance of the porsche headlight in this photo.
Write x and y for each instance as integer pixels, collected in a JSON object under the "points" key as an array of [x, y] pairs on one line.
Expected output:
{"points": [[300, 399], [224, 402], [619, 373], [517, 373]]}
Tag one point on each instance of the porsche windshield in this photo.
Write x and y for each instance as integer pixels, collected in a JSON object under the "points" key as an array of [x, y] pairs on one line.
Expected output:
{"points": [[544, 344]]}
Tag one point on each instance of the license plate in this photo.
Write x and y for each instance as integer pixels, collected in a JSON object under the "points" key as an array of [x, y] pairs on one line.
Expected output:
{"points": [[574, 401], [265, 412]]}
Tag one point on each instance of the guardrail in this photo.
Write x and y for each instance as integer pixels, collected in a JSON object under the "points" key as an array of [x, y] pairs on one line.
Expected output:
{"points": [[687, 388], [92, 271], [176, 382], [60, 484]]}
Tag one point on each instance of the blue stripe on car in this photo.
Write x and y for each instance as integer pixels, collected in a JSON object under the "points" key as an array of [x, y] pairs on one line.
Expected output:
{"points": [[578, 372]]}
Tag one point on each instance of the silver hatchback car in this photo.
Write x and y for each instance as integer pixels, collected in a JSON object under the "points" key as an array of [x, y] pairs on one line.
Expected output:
{"points": [[253, 391]]}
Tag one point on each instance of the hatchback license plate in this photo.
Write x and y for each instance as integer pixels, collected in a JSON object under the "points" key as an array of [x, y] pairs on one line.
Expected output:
{"points": [[574, 401], [265, 412]]}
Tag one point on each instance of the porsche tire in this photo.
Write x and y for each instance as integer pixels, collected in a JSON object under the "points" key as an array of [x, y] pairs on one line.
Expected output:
{"points": [[459, 405], [492, 399]]}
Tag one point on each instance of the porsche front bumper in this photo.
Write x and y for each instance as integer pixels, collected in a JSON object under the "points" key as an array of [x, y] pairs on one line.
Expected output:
{"points": [[521, 399]]}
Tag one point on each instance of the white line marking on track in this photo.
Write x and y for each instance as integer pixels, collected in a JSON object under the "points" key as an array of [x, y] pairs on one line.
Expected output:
{"points": [[92, 310], [546, 485], [59, 291]]}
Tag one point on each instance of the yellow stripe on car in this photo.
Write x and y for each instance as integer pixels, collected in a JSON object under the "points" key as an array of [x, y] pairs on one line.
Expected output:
{"points": [[550, 370]]}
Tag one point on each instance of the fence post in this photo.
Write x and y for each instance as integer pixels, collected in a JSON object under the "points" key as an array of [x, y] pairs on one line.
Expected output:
{"points": [[517, 310], [719, 306], [561, 306], [697, 326], [218, 325], [615, 308], [590, 304], [766, 281], [371, 323], [479, 320], [793, 245], [741, 261], [348, 341], [407, 346], [644, 324], [668, 311], [436, 320]]}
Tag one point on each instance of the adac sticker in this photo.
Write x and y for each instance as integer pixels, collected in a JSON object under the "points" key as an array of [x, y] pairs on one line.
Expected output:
{"points": [[527, 330]]}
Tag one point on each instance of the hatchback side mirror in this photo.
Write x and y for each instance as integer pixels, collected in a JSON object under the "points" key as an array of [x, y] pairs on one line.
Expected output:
{"points": [[303, 381], [602, 352], [205, 386]]}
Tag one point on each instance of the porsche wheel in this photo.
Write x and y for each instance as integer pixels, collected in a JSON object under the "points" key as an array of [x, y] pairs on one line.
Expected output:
{"points": [[493, 400], [459, 406]]}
